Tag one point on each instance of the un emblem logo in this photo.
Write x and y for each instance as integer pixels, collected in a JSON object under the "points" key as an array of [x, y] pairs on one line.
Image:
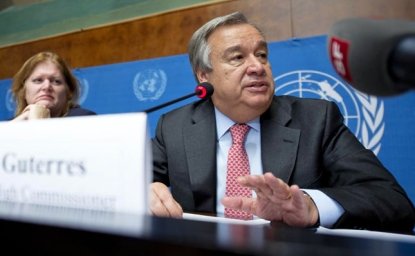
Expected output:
{"points": [[10, 102], [149, 84], [363, 114], [83, 90]]}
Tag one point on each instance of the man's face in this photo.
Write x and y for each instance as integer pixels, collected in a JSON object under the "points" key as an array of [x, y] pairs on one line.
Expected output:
{"points": [[241, 74]]}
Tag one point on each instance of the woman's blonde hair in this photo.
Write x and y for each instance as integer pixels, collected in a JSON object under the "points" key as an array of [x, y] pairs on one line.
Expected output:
{"points": [[19, 79]]}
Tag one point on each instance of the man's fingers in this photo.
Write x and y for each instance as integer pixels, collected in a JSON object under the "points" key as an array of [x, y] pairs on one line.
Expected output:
{"points": [[239, 203], [162, 202], [157, 207], [255, 182], [267, 186], [280, 189], [232, 202]]}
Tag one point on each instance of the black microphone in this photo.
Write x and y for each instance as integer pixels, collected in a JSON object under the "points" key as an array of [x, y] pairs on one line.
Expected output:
{"points": [[203, 91], [375, 56]]}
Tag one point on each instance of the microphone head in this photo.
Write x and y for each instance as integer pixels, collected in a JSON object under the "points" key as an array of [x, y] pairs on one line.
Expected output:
{"points": [[204, 90], [361, 50]]}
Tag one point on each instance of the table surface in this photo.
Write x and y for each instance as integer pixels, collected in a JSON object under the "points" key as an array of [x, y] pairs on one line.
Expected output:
{"points": [[60, 231]]}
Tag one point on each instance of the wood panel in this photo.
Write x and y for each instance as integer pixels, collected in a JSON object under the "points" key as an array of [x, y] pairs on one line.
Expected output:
{"points": [[316, 17], [157, 36], [168, 34]]}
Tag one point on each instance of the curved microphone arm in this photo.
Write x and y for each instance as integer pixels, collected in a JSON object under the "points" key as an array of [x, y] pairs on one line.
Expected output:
{"points": [[203, 91]]}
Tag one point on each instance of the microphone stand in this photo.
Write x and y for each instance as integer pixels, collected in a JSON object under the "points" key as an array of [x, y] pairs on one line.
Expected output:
{"points": [[149, 110], [203, 90]]}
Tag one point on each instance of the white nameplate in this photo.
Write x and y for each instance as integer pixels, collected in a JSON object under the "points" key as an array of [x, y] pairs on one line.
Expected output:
{"points": [[92, 162]]}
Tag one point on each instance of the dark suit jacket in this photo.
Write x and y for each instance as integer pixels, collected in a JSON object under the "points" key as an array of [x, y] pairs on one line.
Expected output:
{"points": [[78, 111], [303, 142]]}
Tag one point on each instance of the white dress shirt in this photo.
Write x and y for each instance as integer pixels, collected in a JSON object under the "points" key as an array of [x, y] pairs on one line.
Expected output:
{"points": [[329, 210]]}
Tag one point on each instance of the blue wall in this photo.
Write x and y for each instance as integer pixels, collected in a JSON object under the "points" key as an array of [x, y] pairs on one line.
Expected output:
{"points": [[300, 67]]}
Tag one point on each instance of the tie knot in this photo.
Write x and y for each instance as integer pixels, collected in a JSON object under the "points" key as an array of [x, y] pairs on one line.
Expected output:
{"points": [[239, 132]]}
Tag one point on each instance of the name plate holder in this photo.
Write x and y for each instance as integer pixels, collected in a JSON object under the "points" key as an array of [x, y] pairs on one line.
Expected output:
{"points": [[99, 163]]}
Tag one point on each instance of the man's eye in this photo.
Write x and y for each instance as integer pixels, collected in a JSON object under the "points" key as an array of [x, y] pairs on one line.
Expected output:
{"points": [[263, 55], [239, 57]]}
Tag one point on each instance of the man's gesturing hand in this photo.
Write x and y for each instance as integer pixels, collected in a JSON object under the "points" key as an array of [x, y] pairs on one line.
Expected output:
{"points": [[275, 201]]}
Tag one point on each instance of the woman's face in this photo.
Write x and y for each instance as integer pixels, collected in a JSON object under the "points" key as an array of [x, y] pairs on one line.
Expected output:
{"points": [[46, 86]]}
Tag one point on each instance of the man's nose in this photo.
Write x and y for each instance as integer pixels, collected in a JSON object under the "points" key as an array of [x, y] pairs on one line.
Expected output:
{"points": [[255, 66]]}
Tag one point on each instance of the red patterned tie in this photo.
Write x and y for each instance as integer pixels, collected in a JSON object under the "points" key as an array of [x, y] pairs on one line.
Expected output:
{"points": [[238, 165]]}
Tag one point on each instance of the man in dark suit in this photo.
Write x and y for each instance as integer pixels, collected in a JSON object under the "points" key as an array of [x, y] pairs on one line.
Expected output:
{"points": [[306, 167]]}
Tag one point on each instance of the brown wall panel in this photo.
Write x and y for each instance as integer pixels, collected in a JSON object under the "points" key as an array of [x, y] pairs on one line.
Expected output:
{"points": [[168, 34], [160, 35], [316, 17]]}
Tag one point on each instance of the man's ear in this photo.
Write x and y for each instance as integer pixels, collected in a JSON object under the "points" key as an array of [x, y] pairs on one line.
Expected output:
{"points": [[202, 76]]}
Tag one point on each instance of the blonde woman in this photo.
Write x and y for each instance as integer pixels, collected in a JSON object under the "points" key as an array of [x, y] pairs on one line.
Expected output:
{"points": [[45, 87]]}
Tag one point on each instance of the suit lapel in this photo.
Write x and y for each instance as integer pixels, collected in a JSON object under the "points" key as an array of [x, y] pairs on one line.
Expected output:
{"points": [[200, 147], [279, 148], [279, 143]]}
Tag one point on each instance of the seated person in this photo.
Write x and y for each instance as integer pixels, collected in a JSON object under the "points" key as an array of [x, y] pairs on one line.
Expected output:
{"points": [[45, 87], [302, 166]]}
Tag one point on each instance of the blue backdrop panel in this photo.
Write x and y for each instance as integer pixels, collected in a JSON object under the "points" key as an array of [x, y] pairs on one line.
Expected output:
{"points": [[136, 86], [301, 68]]}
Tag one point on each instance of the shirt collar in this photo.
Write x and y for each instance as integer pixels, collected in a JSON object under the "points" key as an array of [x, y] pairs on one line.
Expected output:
{"points": [[223, 123]]}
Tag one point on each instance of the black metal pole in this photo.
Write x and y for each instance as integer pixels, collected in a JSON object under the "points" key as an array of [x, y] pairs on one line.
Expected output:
{"points": [[149, 110]]}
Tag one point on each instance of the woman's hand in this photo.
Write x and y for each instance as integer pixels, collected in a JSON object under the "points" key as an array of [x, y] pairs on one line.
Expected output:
{"points": [[33, 111]]}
